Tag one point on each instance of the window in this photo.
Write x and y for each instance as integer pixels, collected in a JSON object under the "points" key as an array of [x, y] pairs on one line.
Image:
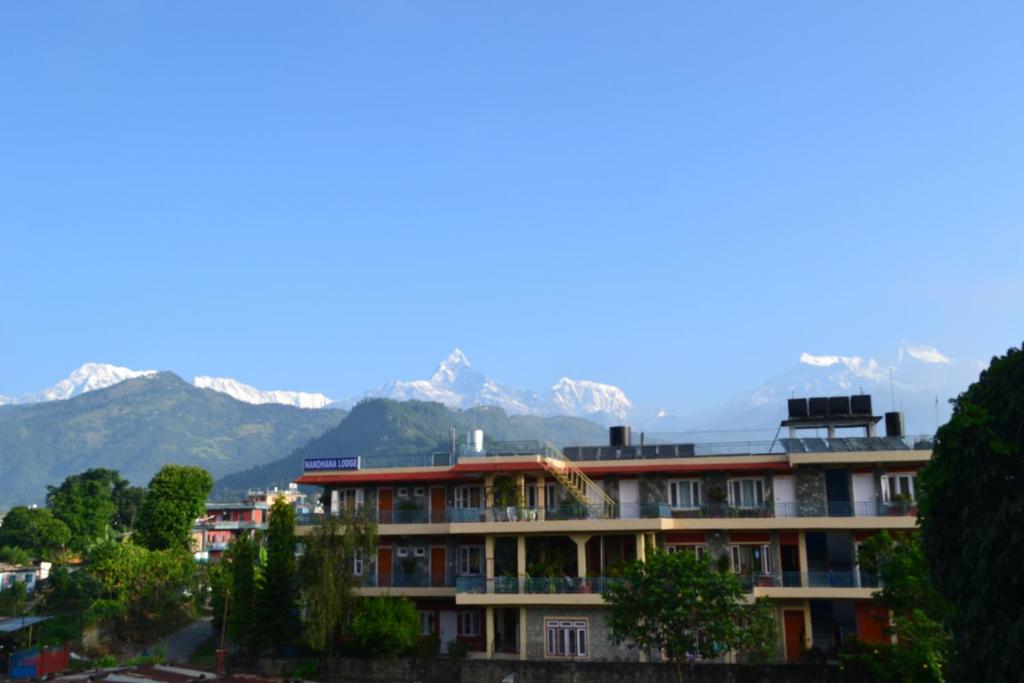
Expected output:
{"points": [[549, 496], [684, 495], [531, 497], [427, 618], [467, 496], [746, 493], [403, 492], [566, 637], [471, 560], [697, 550], [350, 499], [751, 559], [419, 492], [420, 552], [403, 551], [469, 624], [357, 563], [897, 487]]}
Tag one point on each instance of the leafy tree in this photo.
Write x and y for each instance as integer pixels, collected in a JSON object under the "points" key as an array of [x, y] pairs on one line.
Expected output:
{"points": [[176, 497], [35, 529], [683, 605], [15, 555], [972, 521], [128, 500], [241, 557], [276, 617], [87, 503], [919, 614], [12, 599], [386, 626], [327, 573]]}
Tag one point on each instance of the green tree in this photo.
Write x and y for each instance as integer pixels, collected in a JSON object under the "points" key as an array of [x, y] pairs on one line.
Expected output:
{"points": [[386, 626], [35, 529], [175, 498], [241, 557], [12, 599], [683, 605], [919, 614], [276, 616], [89, 503], [972, 521], [328, 577]]}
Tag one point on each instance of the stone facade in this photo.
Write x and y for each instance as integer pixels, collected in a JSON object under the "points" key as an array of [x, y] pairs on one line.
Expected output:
{"points": [[810, 492], [600, 643]]}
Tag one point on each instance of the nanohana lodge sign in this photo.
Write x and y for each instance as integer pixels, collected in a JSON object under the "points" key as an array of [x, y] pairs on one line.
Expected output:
{"points": [[321, 464]]}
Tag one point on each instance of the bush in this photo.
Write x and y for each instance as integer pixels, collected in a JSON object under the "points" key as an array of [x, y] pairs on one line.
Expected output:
{"points": [[457, 649], [386, 626]]}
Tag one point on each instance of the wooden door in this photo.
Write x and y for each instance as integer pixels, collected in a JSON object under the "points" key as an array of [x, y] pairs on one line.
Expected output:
{"points": [[437, 505], [384, 505], [384, 567], [438, 560], [794, 623]]}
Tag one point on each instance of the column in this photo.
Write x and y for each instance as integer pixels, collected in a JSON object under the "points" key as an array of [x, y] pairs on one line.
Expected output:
{"points": [[542, 503], [522, 633], [489, 630], [641, 551], [808, 634], [488, 492], [581, 554], [520, 490], [489, 559], [802, 552], [335, 502], [521, 562]]}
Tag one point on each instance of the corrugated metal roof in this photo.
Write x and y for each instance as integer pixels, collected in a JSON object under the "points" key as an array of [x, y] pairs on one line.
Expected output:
{"points": [[13, 624]]}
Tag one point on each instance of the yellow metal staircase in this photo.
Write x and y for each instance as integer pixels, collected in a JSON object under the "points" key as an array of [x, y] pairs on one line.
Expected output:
{"points": [[578, 484]]}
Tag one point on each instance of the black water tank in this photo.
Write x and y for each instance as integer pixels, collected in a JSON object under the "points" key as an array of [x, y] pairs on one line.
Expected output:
{"points": [[894, 424], [798, 407], [619, 437], [818, 406], [860, 404], [839, 406]]}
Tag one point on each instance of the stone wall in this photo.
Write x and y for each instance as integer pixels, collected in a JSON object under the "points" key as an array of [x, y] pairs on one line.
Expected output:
{"points": [[601, 645], [497, 671], [810, 492]]}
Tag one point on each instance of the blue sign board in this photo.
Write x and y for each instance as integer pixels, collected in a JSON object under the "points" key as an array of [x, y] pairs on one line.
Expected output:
{"points": [[314, 464]]}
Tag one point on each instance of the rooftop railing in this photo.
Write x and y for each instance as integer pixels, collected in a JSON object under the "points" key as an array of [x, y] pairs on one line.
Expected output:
{"points": [[780, 446]]}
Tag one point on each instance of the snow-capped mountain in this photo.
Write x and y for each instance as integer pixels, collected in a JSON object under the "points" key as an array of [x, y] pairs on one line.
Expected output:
{"points": [[919, 380], [88, 377], [456, 384], [250, 394]]}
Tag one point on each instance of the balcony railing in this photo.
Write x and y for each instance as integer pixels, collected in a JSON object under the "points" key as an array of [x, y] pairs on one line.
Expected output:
{"points": [[814, 579], [535, 585], [406, 580], [228, 524], [627, 511]]}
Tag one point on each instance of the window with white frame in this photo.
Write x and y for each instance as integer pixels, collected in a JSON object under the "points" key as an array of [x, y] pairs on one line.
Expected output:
{"points": [[467, 496], [566, 637], [357, 562], [549, 496], [896, 487], [751, 559], [684, 494], [403, 551], [419, 552], [419, 492], [746, 493], [350, 499], [469, 624], [470, 560], [427, 618], [696, 549], [531, 496], [403, 492]]}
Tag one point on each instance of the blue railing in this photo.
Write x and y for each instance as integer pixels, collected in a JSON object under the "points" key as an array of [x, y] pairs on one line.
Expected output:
{"points": [[813, 579], [406, 580], [535, 585]]}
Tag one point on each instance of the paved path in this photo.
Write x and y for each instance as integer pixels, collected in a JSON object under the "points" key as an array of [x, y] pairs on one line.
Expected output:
{"points": [[182, 644]]}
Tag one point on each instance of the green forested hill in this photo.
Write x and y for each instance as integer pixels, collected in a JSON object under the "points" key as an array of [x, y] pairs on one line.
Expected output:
{"points": [[381, 427], [138, 426]]}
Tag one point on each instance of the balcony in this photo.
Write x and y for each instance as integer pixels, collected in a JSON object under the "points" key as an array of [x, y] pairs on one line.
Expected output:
{"points": [[564, 585], [846, 509], [813, 580], [406, 580], [230, 525]]}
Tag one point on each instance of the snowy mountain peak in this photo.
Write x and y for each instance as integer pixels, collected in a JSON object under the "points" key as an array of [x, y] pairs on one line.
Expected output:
{"points": [[88, 377], [450, 367], [584, 397], [250, 394]]}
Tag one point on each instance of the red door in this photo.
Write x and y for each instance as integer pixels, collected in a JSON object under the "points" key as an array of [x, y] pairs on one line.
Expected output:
{"points": [[384, 503], [437, 505], [384, 567], [438, 559], [794, 622], [872, 621]]}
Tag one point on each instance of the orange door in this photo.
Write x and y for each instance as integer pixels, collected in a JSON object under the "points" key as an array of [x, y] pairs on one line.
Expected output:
{"points": [[384, 567], [437, 567], [437, 505], [872, 621], [384, 503], [794, 622]]}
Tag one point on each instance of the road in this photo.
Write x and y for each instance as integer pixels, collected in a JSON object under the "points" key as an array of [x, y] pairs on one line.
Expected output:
{"points": [[182, 644]]}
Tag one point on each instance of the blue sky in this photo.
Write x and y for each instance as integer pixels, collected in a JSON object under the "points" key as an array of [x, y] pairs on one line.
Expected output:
{"points": [[672, 197]]}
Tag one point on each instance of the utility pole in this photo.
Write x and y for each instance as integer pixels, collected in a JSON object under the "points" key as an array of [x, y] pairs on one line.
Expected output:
{"points": [[221, 652]]}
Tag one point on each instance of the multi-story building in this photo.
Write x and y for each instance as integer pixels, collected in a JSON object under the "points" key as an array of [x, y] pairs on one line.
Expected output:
{"points": [[223, 522], [508, 547]]}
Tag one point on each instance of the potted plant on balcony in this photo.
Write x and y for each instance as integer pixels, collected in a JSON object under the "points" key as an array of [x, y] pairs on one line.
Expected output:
{"points": [[717, 498], [407, 510]]}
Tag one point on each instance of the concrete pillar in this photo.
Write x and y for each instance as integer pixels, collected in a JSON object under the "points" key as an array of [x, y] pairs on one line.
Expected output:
{"points": [[489, 630], [335, 502], [520, 490], [581, 553], [521, 555], [802, 552], [641, 551], [489, 491], [541, 494], [808, 633], [489, 555], [522, 633]]}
